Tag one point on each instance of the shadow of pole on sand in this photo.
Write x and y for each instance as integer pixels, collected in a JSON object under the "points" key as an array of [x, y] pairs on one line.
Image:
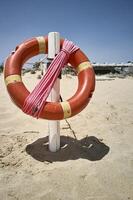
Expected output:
{"points": [[89, 148]]}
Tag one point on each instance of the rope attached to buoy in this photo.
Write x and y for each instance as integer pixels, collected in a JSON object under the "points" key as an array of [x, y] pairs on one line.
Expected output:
{"points": [[35, 101]]}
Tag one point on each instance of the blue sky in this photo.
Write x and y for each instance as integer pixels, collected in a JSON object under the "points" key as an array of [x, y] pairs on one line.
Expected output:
{"points": [[103, 29]]}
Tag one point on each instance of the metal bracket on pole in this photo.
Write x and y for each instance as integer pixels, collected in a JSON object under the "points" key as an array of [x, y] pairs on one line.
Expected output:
{"points": [[54, 126]]}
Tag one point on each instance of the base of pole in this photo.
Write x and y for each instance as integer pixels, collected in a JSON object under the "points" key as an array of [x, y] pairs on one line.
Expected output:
{"points": [[54, 135]]}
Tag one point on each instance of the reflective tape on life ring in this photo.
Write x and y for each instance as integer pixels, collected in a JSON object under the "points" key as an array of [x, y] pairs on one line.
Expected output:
{"points": [[42, 45], [52, 110], [66, 109], [13, 79], [82, 66]]}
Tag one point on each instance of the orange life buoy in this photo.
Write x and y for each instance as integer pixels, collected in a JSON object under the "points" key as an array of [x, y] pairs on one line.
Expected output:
{"points": [[52, 110]]}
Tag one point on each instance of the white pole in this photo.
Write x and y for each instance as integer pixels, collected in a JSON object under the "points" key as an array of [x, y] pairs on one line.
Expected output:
{"points": [[54, 126]]}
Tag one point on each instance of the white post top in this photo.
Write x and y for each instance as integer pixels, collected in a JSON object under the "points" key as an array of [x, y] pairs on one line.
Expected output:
{"points": [[53, 44]]}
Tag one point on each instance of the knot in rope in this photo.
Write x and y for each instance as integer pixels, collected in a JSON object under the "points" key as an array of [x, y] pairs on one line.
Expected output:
{"points": [[36, 100]]}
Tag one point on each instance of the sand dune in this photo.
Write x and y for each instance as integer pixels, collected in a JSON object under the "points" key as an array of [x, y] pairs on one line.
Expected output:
{"points": [[96, 165]]}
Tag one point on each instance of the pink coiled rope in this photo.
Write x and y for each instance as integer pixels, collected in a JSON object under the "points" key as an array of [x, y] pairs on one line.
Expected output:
{"points": [[35, 101]]}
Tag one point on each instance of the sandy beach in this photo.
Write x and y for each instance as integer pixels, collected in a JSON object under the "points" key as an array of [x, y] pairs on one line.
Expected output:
{"points": [[98, 165]]}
